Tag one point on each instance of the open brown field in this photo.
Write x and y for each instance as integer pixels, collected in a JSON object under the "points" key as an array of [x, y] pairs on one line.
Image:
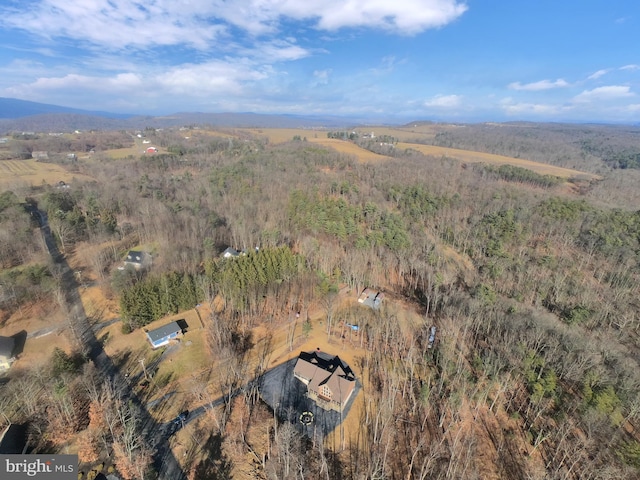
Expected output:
{"points": [[408, 133], [349, 148], [135, 151], [480, 157], [282, 135], [33, 173], [422, 132], [318, 137]]}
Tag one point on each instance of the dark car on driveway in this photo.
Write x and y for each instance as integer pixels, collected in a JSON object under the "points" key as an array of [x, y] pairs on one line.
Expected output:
{"points": [[181, 418]]}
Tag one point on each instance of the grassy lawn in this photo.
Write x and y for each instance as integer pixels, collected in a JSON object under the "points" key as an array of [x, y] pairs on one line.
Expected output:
{"points": [[190, 359]]}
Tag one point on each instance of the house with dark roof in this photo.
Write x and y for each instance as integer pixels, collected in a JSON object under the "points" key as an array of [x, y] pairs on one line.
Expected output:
{"points": [[371, 298], [137, 259], [163, 335], [330, 382], [6, 352]]}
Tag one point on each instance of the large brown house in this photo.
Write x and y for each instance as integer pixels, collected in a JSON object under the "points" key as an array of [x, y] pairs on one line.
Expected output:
{"points": [[330, 382]]}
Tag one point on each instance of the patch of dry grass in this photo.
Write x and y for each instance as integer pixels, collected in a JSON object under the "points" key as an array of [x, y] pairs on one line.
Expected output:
{"points": [[135, 151], [349, 148], [190, 359]]}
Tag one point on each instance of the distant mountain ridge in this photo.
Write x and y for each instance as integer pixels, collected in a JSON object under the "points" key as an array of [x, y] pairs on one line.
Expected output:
{"points": [[13, 108], [22, 115]]}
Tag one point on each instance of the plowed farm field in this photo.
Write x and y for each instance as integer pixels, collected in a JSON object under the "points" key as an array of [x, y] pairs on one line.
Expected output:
{"points": [[32, 173]]}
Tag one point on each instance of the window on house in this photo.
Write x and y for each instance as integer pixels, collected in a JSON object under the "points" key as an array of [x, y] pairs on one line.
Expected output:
{"points": [[325, 392]]}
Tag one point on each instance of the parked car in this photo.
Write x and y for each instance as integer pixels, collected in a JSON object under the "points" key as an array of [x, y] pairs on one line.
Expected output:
{"points": [[432, 337], [181, 418]]}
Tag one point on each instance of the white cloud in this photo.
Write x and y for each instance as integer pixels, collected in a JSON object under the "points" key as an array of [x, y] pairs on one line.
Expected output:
{"points": [[405, 17], [538, 86], [118, 83], [119, 24], [116, 24], [630, 67], [274, 51], [611, 92], [188, 80], [400, 16], [321, 77], [387, 65], [532, 108], [598, 74], [24, 65], [444, 101]]}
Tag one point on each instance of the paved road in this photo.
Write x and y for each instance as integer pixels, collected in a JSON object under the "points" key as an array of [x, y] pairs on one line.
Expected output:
{"points": [[81, 328], [44, 332]]}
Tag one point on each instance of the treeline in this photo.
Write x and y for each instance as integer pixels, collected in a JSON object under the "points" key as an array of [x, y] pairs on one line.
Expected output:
{"points": [[416, 202], [80, 142], [358, 226], [157, 296], [25, 284], [243, 282], [583, 147], [618, 155], [522, 175], [343, 135], [19, 239], [515, 256]]}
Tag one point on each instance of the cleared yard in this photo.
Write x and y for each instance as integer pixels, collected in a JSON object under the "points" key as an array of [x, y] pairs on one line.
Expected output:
{"points": [[46, 325]]}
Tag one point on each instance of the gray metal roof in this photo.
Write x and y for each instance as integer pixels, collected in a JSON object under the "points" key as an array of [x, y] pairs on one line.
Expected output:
{"points": [[6, 346], [165, 330], [135, 257]]}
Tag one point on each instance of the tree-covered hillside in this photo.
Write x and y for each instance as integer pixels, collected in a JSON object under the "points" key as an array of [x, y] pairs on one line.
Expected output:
{"points": [[587, 147]]}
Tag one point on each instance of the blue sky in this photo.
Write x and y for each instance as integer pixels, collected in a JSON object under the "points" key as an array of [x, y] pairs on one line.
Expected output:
{"points": [[393, 60]]}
